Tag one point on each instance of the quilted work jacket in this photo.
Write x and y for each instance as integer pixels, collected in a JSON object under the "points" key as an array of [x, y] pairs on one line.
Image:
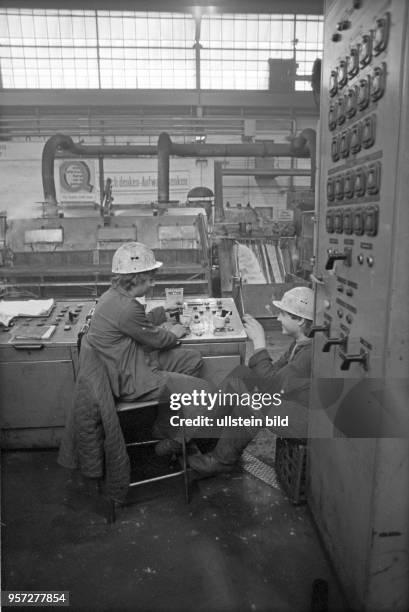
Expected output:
{"points": [[92, 439], [126, 339]]}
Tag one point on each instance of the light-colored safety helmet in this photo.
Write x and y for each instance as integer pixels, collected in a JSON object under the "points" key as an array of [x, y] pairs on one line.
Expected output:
{"points": [[133, 257], [298, 301]]}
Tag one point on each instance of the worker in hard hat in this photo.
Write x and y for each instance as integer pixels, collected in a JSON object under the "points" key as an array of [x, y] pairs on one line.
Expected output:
{"points": [[142, 358], [289, 376]]}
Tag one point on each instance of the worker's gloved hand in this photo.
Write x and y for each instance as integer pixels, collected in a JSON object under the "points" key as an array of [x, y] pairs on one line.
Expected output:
{"points": [[169, 325], [254, 331], [179, 330]]}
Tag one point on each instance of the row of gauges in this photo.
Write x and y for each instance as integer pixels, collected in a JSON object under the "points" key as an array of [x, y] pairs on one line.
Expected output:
{"points": [[357, 97], [357, 183], [353, 139], [356, 221], [360, 55]]}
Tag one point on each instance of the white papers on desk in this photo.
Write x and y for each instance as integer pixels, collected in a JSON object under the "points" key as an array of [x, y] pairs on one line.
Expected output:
{"points": [[24, 308]]}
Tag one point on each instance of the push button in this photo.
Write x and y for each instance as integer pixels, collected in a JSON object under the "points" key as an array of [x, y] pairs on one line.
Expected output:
{"points": [[344, 144], [349, 181], [335, 149], [330, 190], [356, 138], [347, 222], [339, 188], [360, 258], [329, 222], [338, 225]]}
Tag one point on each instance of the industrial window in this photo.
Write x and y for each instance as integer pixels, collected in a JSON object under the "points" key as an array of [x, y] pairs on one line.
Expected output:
{"points": [[237, 47], [82, 49]]}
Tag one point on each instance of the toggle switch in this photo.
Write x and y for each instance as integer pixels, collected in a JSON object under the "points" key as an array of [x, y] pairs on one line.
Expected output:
{"points": [[330, 190], [373, 178], [381, 34], [347, 222], [365, 50], [362, 358], [344, 143], [341, 116], [333, 83], [358, 221], [318, 328], [356, 138], [353, 62], [339, 188], [351, 102], [363, 93], [342, 74], [332, 117], [360, 182], [371, 220], [342, 342], [378, 82], [335, 149], [338, 225], [349, 183], [368, 131], [337, 256], [329, 222]]}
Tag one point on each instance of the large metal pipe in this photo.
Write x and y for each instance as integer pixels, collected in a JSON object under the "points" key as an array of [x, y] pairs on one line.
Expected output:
{"points": [[302, 146], [164, 147], [65, 144]]}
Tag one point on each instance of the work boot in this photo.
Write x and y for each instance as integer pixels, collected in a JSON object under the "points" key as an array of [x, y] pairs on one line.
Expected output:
{"points": [[168, 447], [207, 465]]}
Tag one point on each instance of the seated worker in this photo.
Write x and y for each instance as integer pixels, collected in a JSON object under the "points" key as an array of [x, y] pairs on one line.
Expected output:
{"points": [[289, 376], [143, 359]]}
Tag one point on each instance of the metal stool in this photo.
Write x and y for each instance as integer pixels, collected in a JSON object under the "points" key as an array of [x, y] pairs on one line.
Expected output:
{"points": [[132, 407]]}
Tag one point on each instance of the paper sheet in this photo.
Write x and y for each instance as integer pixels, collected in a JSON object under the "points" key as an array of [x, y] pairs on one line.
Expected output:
{"points": [[24, 308]]}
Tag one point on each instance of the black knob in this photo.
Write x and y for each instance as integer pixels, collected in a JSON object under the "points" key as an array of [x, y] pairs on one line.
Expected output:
{"points": [[318, 328], [333, 257], [336, 37], [342, 342], [345, 24], [361, 358]]}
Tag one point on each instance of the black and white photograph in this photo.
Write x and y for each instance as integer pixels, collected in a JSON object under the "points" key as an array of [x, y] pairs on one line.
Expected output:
{"points": [[204, 305]]}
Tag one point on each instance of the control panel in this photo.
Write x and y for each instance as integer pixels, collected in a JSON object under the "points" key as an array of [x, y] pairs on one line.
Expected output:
{"points": [[358, 448], [208, 320], [38, 364]]}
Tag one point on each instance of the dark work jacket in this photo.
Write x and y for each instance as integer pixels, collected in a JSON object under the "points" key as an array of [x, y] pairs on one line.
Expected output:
{"points": [[125, 337], [290, 375]]}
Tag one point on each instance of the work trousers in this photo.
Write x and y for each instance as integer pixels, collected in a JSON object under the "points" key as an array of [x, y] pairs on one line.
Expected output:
{"points": [[180, 369], [233, 440]]}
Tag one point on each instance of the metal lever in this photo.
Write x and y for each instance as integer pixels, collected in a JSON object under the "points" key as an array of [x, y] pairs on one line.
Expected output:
{"points": [[361, 358], [342, 342], [318, 328], [332, 257]]}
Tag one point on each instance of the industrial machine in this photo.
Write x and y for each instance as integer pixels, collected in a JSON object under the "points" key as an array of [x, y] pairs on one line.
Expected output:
{"points": [[358, 447], [39, 361]]}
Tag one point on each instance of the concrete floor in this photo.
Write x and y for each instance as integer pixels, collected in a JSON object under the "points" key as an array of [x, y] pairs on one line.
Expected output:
{"points": [[238, 546]]}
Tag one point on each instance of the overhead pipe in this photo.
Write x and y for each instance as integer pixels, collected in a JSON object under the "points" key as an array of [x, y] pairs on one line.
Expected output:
{"points": [[65, 144], [302, 146]]}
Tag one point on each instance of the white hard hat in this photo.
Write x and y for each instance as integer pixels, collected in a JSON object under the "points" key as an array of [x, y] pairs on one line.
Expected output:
{"points": [[298, 301], [134, 257]]}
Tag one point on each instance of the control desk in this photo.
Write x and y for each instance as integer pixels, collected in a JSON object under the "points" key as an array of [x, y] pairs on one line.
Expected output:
{"points": [[38, 364], [39, 361]]}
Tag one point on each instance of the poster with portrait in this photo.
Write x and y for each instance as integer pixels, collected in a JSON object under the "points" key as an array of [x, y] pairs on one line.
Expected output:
{"points": [[76, 180]]}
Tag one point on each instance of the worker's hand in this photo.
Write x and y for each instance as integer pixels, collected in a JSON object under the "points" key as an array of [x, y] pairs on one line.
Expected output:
{"points": [[179, 330], [254, 331], [168, 325]]}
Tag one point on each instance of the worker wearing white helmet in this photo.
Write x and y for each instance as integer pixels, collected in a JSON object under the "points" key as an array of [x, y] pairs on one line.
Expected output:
{"points": [[143, 359], [287, 380]]}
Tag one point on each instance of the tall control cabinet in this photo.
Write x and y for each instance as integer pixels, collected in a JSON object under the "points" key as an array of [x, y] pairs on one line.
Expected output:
{"points": [[358, 452]]}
